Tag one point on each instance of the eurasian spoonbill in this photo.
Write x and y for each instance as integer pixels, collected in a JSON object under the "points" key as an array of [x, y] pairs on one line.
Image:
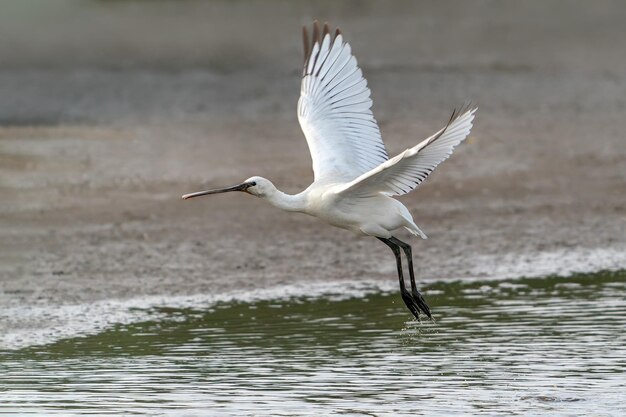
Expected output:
{"points": [[354, 178]]}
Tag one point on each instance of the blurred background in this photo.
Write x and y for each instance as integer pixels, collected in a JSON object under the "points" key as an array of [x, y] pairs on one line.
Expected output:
{"points": [[110, 110]]}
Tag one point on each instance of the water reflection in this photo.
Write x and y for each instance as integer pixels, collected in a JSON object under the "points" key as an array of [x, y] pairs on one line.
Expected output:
{"points": [[518, 347]]}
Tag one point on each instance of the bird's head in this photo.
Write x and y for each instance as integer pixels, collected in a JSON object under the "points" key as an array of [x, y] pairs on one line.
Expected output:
{"points": [[257, 186]]}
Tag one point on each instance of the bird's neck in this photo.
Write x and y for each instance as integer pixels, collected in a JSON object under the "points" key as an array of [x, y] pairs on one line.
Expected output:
{"points": [[285, 201]]}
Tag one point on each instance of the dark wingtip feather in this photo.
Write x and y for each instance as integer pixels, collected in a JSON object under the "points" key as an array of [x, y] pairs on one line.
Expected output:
{"points": [[316, 32], [326, 30], [456, 113]]}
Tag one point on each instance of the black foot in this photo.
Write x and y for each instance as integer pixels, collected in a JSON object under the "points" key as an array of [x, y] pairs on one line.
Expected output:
{"points": [[421, 303], [411, 304]]}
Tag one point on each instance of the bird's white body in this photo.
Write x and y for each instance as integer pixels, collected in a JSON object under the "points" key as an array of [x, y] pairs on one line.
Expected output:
{"points": [[377, 215], [355, 180]]}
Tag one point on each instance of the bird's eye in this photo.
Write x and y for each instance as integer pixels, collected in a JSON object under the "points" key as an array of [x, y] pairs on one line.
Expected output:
{"points": [[252, 184]]}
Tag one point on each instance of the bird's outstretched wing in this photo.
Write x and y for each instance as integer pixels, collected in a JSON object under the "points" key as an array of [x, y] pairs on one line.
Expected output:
{"points": [[406, 171], [334, 109]]}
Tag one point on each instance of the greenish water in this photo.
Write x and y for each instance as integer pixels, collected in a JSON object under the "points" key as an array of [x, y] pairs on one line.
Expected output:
{"points": [[553, 346]]}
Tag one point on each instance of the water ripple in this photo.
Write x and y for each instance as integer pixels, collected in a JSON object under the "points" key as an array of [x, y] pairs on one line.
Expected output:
{"points": [[524, 347]]}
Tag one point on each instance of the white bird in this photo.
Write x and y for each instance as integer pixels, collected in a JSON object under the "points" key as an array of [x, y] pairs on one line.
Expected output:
{"points": [[355, 181]]}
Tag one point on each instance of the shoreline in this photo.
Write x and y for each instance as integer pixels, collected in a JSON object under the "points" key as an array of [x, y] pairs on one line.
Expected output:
{"points": [[68, 321]]}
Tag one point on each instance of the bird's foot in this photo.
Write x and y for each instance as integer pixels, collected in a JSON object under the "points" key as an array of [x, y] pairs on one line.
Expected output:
{"points": [[411, 304], [421, 303]]}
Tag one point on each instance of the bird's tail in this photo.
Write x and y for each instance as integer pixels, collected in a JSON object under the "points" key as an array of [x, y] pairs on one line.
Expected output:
{"points": [[409, 224], [416, 231]]}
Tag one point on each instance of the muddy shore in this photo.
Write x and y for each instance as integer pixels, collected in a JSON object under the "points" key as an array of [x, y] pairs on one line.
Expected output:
{"points": [[96, 149]]}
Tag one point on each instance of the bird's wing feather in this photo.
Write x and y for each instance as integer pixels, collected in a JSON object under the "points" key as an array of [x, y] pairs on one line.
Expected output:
{"points": [[334, 110], [406, 171]]}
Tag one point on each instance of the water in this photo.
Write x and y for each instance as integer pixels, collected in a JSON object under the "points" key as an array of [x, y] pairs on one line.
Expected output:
{"points": [[555, 346]]}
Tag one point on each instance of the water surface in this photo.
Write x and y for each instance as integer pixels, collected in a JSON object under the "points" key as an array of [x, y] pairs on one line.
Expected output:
{"points": [[522, 347]]}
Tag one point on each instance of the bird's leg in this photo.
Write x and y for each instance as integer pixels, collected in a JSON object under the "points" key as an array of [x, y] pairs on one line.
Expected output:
{"points": [[406, 296], [417, 296]]}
